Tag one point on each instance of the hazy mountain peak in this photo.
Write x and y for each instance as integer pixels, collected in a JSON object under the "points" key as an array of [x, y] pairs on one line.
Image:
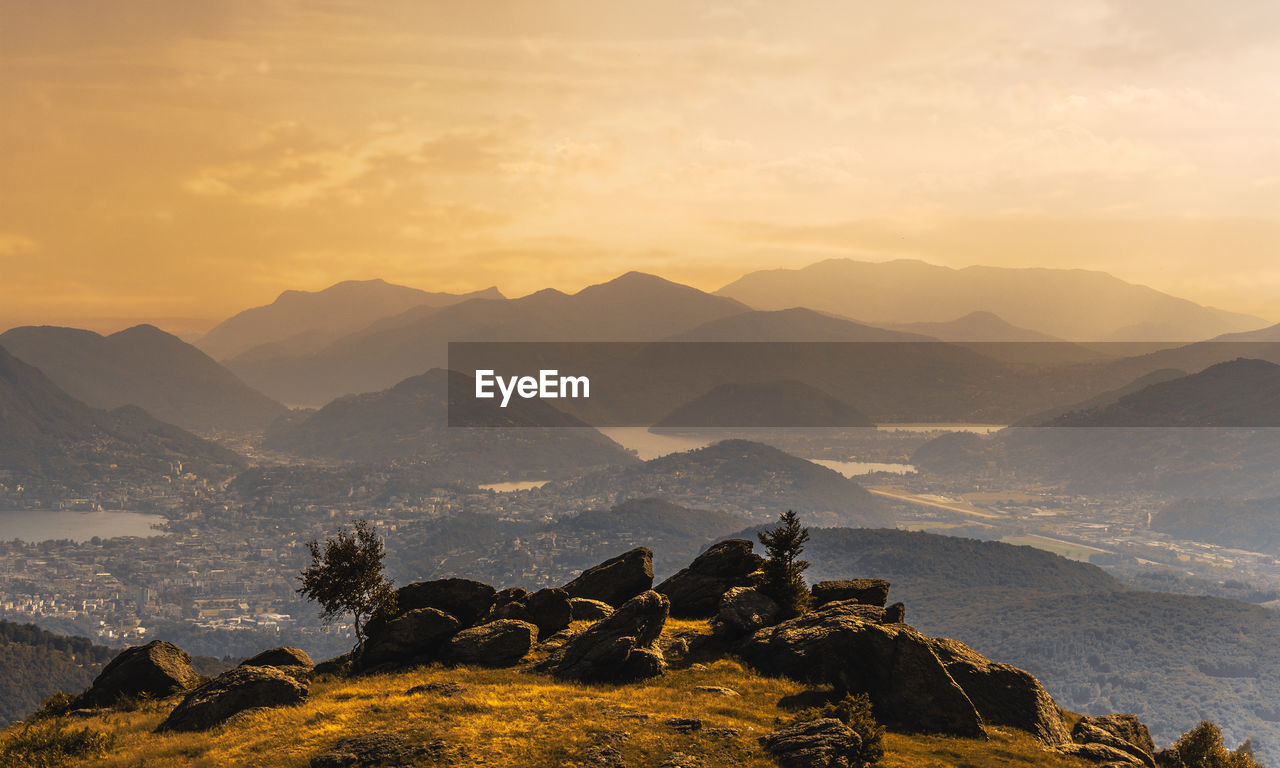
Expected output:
{"points": [[307, 320], [1073, 304]]}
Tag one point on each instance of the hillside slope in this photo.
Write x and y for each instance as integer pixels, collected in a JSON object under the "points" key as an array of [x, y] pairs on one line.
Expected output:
{"points": [[146, 367], [44, 432]]}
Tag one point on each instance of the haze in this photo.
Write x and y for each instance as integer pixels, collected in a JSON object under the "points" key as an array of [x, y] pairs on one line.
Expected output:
{"points": [[178, 162]]}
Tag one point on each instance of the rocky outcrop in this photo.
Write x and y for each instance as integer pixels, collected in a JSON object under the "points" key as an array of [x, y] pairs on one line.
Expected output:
{"points": [[892, 663], [620, 648], [285, 656], [154, 670], [235, 691], [866, 591], [744, 610], [616, 580], [470, 602], [1003, 695], [589, 610], [499, 643], [416, 635], [825, 743], [387, 750], [549, 609], [695, 592], [1123, 733]]}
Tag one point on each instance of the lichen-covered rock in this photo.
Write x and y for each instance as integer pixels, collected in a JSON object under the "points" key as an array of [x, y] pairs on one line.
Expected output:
{"points": [[866, 591], [695, 592], [417, 635], [589, 610], [744, 610], [892, 663], [154, 670], [616, 580], [620, 648], [825, 743], [1004, 695], [284, 656], [499, 643], [235, 691]]}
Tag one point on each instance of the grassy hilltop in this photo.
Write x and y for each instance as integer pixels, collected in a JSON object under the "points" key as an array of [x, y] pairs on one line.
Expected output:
{"points": [[467, 715]]}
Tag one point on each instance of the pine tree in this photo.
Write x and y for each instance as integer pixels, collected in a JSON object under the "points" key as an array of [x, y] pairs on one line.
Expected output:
{"points": [[345, 576], [784, 570]]}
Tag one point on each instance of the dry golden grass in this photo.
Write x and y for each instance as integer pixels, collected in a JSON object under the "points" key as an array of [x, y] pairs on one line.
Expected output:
{"points": [[518, 717]]}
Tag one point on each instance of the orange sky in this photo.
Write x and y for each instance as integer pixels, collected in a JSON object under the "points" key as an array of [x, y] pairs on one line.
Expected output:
{"points": [[181, 161]]}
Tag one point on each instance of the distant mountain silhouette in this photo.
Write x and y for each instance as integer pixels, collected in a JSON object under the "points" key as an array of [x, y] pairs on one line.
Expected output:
{"points": [[739, 476], [1103, 399], [975, 326], [1240, 393], [146, 367], [786, 403], [1269, 334], [633, 307], [44, 432], [409, 422], [1071, 304], [304, 321], [795, 324]]}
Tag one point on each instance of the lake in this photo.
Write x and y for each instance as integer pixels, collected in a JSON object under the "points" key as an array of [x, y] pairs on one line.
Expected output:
{"points": [[513, 485], [856, 468], [46, 524]]}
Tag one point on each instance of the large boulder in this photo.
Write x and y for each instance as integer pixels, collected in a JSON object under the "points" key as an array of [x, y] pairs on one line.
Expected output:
{"points": [[616, 580], [1124, 733], [1004, 695], [695, 592], [499, 643], [589, 610], [866, 591], [892, 663], [154, 670], [284, 656], [742, 611], [417, 635], [467, 601], [825, 743], [620, 648], [233, 692], [550, 610]]}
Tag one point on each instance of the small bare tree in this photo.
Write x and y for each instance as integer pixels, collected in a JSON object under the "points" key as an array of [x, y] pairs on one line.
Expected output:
{"points": [[345, 576]]}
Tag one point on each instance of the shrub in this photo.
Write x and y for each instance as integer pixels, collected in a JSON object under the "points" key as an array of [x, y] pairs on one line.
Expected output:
{"points": [[855, 712], [1202, 747]]}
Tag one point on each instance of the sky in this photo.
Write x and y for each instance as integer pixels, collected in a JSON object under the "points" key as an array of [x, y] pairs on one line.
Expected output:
{"points": [[178, 162]]}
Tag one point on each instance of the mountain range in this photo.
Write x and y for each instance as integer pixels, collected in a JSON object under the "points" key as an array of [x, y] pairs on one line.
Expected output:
{"points": [[411, 421], [299, 321], [1070, 304], [148, 368], [1240, 393], [46, 433], [633, 307]]}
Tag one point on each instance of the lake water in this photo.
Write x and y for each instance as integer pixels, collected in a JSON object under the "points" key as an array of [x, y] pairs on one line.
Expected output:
{"points": [[514, 485], [856, 468], [981, 429], [648, 445], [46, 524]]}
